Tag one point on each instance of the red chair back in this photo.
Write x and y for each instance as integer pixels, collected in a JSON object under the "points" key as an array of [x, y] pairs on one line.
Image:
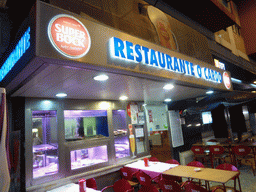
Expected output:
{"points": [[172, 161], [149, 188], [192, 187], [197, 150], [169, 185], [216, 149], [122, 185], [126, 173], [143, 178], [228, 167], [241, 150], [196, 164], [91, 183], [153, 159]]}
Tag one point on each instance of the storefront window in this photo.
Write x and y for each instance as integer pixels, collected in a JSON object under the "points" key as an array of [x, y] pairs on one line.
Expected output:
{"points": [[80, 124], [88, 157], [121, 136], [45, 147]]}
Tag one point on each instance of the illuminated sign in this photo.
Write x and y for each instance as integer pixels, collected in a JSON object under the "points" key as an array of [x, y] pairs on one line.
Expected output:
{"points": [[16, 54], [226, 79], [219, 64], [69, 36], [127, 51]]}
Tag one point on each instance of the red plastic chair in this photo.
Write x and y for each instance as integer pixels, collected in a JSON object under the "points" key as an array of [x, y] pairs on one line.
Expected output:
{"points": [[128, 175], [91, 183], [217, 154], [230, 167], [172, 161], [120, 186], [167, 185], [148, 188], [199, 153], [154, 159], [145, 180], [196, 164], [241, 153]]}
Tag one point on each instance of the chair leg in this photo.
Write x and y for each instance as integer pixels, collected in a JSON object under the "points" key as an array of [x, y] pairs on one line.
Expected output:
{"points": [[239, 184]]}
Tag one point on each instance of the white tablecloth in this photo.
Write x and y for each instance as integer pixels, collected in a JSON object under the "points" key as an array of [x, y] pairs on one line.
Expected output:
{"points": [[72, 187]]}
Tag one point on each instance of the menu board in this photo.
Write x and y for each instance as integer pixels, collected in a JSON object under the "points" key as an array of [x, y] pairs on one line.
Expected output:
{"points": [[176, 130]]}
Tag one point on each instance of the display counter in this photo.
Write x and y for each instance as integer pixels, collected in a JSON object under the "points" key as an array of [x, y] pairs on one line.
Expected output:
{"points": [[69, 144]]}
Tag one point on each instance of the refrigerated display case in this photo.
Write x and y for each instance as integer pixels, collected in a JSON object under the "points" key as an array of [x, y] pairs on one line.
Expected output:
{"points": [[89, 156], [45, 147], [122, 147], [81, 124]]}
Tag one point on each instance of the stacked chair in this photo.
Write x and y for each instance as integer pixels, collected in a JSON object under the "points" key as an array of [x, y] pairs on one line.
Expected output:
{"points": [[244, 154], [130, 177], [218, 155]]}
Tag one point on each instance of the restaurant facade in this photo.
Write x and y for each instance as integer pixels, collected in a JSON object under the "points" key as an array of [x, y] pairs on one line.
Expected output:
{"points": [[90, 132]]}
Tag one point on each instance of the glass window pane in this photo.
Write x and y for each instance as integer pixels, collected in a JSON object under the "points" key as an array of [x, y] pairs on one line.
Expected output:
{"points": [[88, 157], [122, 147], [80, 124], [45, 145]]}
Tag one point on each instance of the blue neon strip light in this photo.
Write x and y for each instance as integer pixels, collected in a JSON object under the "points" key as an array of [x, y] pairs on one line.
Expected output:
{"points": [[16, 54], [129, 52]]}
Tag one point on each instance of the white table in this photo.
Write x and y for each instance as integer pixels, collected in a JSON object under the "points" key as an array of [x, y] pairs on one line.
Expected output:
{"points": [[153, 170], [72, 187]]}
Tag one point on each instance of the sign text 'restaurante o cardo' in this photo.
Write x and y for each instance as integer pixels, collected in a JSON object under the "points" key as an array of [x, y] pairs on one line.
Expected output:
{"points": [[125, 50]]}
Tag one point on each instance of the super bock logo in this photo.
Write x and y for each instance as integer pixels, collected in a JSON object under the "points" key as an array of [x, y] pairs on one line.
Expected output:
{"points": [[69, 36]]}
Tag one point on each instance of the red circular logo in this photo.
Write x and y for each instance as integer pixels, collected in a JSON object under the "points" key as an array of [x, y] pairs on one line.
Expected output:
{"points": [[69, 36], [226, 80]]}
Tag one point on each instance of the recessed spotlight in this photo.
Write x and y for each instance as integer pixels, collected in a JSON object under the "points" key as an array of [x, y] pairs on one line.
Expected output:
{"points": [[101, 78], [168, 100], [209, 92], [253, 91], [123, 98], [61, 95], [168, 87], [254, 82]]}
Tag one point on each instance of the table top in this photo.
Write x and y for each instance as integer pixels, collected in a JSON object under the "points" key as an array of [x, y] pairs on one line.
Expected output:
{"points": [[208, 174], [153, 166], [72, 187]]}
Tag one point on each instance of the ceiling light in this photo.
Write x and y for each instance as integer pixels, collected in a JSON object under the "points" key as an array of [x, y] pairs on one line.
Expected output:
{"points": [[123, 98], [254, 82], [209, 92], [253, 91], [168, 87], [61, 95], [236, 80], [101, 78], [167, 100]]}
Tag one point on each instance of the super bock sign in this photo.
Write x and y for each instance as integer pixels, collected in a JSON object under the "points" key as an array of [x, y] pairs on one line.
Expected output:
{"points": [[69, 36]]}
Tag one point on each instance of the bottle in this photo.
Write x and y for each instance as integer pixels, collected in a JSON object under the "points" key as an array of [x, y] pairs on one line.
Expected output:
{"points": [[82, 185]]}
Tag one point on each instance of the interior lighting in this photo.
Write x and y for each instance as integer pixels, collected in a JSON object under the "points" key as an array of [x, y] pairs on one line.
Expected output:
{"points": [[236, 80], [168, 87], [61, 95], [168, 100], [254, 82], [253, 91], [101, 78], [209, 92], [123, 97]]}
